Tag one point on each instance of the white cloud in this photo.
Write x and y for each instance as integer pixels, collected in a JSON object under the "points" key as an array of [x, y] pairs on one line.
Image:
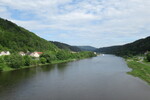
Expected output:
{"points": [[91, 21]]}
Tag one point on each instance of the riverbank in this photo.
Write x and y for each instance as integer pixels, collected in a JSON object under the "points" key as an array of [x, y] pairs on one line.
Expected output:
{"points": [[7, 68], [140, 69], [16, 61]]}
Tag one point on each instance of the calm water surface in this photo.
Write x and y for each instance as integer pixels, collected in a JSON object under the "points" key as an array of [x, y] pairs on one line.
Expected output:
{"points": [[99, 78]]}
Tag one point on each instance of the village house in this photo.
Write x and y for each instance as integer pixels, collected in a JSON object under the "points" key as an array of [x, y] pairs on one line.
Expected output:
{"points": [[22, 53], [3, 53], [35, 54]]}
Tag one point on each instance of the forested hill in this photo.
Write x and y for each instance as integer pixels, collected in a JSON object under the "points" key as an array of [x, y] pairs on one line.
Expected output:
{"points": [[134, 48], [87, 48], [16, 38], [66, 46]]}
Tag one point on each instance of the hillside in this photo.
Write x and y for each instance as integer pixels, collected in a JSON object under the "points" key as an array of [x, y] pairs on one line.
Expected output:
{"points": [[138, 47], [16, 38], [66, 46], [87, 48]]}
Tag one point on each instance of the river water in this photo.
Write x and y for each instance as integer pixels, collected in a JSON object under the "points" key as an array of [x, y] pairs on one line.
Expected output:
{"points": [[98, 78]]}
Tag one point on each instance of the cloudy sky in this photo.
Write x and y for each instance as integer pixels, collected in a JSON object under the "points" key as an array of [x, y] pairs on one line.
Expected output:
{"points": [[97, 23]]}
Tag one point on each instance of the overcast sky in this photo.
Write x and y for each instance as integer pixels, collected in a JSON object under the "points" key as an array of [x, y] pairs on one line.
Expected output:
{"points": [[98, 23]]}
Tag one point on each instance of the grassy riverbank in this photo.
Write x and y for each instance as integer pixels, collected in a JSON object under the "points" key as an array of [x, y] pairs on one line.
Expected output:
{"points": [[140, 69]]}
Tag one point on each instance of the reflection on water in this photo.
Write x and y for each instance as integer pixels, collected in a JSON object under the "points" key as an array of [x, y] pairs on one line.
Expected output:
{"points": [[99, 78]]}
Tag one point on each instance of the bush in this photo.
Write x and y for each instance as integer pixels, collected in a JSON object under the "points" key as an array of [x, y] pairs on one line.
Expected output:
{"points": [[2, 66], [148, 57], [28, 60], [48, 56], [34, 62], [2, 59], [63, 55], [16, 61], [42, 60]]}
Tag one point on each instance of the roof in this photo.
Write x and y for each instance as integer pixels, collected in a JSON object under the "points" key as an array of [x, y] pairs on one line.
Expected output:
{"points": [[40, 53]]}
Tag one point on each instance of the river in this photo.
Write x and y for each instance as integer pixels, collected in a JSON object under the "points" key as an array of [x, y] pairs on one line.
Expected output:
{"points": [[98, 78]]}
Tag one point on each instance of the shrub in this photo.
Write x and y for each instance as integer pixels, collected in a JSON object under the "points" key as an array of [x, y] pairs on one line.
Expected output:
{"points": [[148, 57], [16, 61], [42, 60], [28, 60]]}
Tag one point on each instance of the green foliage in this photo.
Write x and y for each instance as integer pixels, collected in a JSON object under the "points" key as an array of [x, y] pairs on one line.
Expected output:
{"points": [[2, 59], [35, 62], [16, 61], [15, 38], [49, 56], [131, 49], [140, 69], [87, 48], [62, 55], [28, 60], [43, 60], [2, 65], [66, 46], [148, 57]]}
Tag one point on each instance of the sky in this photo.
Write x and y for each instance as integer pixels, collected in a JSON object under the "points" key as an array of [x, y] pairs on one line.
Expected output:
{"points": [[98, 23]]}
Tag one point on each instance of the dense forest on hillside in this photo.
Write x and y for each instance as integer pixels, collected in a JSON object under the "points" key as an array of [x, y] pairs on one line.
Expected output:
{"points": [[135, 48], [87, 48], [66, 46], [15, 38]]}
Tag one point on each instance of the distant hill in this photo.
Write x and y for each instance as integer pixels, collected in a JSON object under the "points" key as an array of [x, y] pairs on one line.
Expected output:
{"points": [[138, 47], [87, 48], [16, 38], [66, 46]]}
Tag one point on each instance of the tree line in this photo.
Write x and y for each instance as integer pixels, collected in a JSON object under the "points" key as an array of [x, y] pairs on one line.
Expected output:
{"points": [[16, 61]]}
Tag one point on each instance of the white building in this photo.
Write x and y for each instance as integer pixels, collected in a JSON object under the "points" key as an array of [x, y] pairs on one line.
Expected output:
{"points": [[3, 53], [22, 53], [36, 54]]}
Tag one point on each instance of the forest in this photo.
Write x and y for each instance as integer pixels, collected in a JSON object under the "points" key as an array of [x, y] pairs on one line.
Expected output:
{"points": [[15, 39], [131, 49]]}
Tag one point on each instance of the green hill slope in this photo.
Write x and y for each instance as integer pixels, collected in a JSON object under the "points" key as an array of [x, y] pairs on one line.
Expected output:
{"points": [[15, 38], [87, 48], [138, 47], [66, 46]]}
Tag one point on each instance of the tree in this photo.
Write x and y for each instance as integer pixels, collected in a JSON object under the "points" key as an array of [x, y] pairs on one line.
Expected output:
{"points": [[148, 57], [16, 61], [42, 60], [49, 56], [35, 62], [63, 54], [2, 59], [28, 60]]}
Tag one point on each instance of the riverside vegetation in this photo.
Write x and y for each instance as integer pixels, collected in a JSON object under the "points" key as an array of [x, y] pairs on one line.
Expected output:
{"points": [[140, 67], [14, 38], [134, 55], [16, 61]]}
